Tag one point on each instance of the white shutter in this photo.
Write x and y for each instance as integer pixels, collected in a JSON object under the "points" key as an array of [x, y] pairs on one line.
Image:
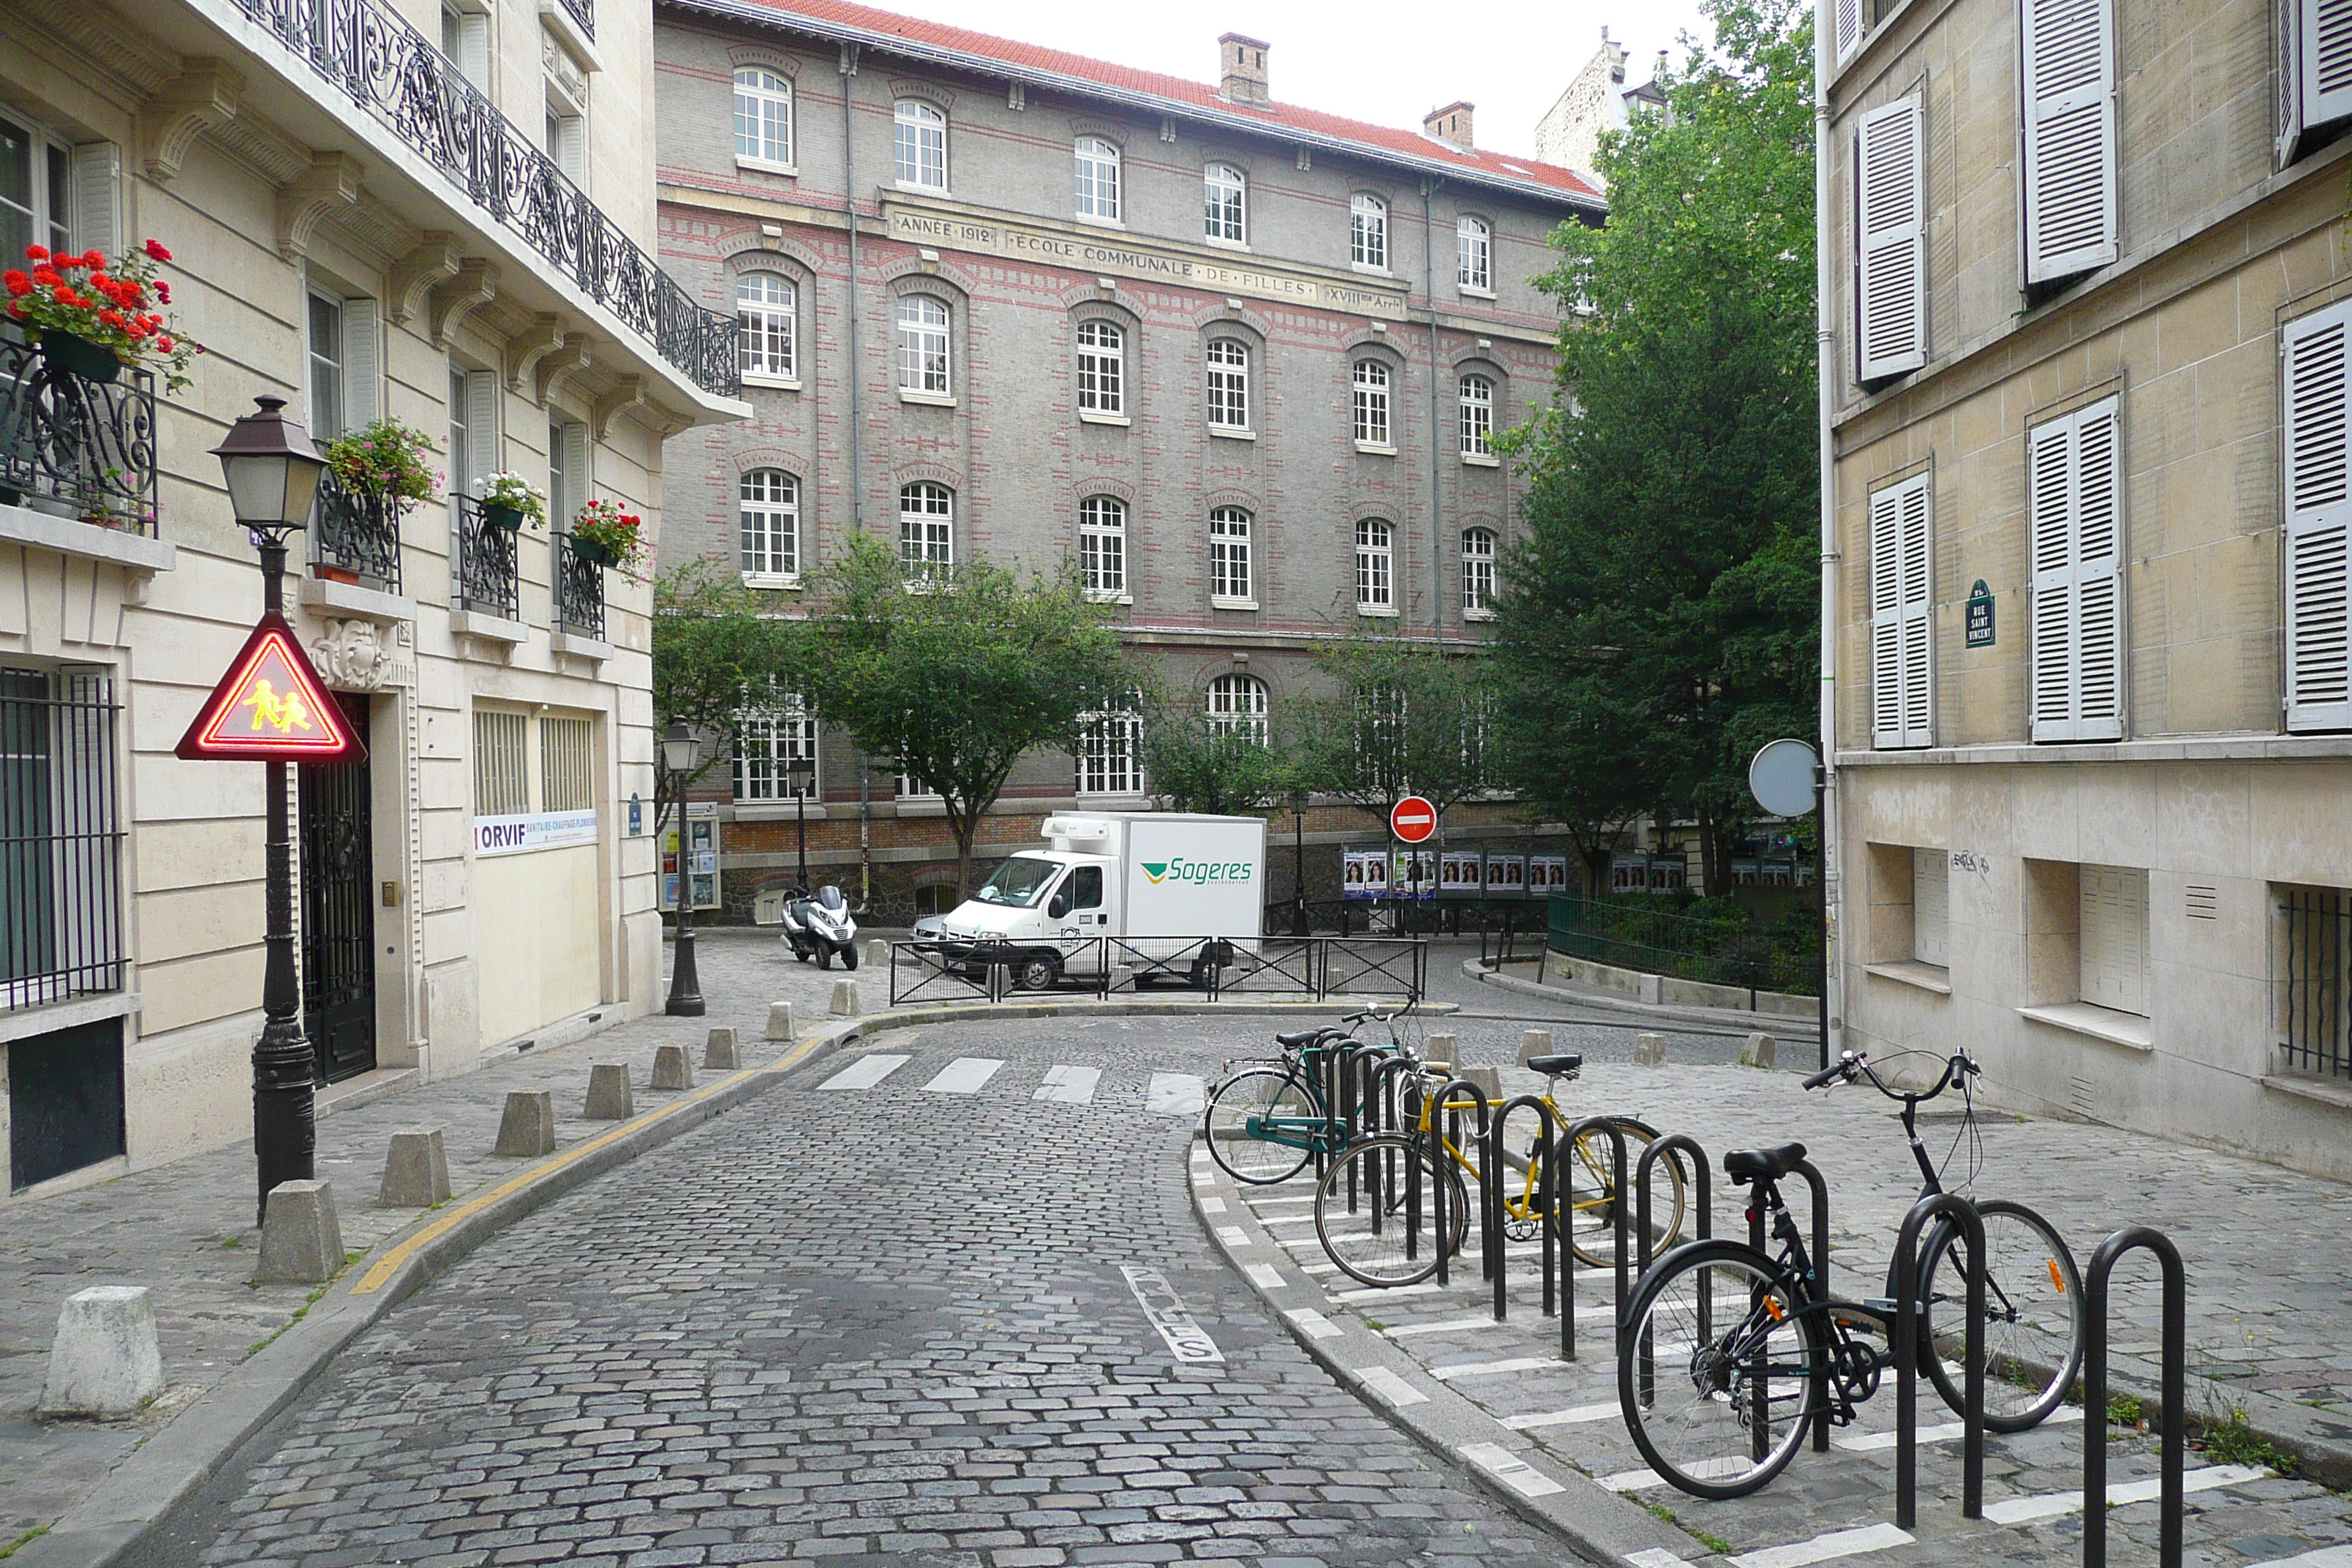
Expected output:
{"points": [[474, 48], [1890, 275], [578, 480], [96, 197], [1902, 615], [571, 148], [2112, 933], [2323, 30], [1846, 19], [2070, 137], [2075, 537], [362, 364], [2292, 16], [1931, 907], [2319, 568], [485, 450]]}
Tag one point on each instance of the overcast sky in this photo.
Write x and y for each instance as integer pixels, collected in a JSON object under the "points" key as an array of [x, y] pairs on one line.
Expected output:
{"points": [[1382, 61]]}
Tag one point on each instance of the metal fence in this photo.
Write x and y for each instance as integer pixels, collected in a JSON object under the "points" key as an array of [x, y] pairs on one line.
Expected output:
{"points": [[2317, 961], [579, 593], [1313, 967], [1402, 917], [358, 533], [487, 579], [60, 837], [68, 444], [1720, 950]]}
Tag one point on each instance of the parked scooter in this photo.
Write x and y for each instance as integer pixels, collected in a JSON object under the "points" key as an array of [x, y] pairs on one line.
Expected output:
{"points": [[821, 927]]}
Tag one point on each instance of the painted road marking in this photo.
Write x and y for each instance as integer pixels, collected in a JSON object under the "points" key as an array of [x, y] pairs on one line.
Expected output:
{"points": [[1165, 1309], [1575, 1414], [1703, 1469], [1266, 1274], [1393, 1292], [1175, 1094], [2326, 1557], [2050, 1505], [1510, 1469], [865, 1072], [1653, 1557], [1942, 1433], [1232, 1236], [1319, 1327], [1258, 1203], [1318, 1268], [1826, 1548], [1491, 1368], [1212, 1206], [1390, 1387], [1270, 1222], [965, 1074], [1451, 1326], [1075, 1086]]}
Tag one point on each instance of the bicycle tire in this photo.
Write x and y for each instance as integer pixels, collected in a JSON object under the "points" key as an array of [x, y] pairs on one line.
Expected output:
{"points": [[1258, 1092], [1692, 1410], [1591, 1230], [2030, 1286], [1378, 1231]]}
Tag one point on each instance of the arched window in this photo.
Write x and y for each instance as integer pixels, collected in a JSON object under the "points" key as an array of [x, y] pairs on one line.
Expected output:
{"points": [[1368, 231], [923, 345], [1473, 245], [927, 531], [1229, 556], [1224, 191], [1106, 750], [1371, 403], [1237, 705], [765, 309], [1478, 570], [1229, 398], [1375, 566], [1098, 179], [1102, 546], [764, 115], [1478, 417], [1102, 368], [771, 517], [922, 143]]}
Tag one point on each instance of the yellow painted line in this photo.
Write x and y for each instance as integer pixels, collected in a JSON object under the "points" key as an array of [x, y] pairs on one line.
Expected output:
{"points": [[380, 1273]]}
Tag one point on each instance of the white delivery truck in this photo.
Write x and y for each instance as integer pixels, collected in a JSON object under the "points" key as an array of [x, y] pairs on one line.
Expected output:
{"points": [[1151, 890]]}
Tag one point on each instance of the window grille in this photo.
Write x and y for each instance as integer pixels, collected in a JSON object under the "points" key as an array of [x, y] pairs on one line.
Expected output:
{"points": [[1237, 706], [2314, 964], [501, 763], [60, 837], [567, 764]]}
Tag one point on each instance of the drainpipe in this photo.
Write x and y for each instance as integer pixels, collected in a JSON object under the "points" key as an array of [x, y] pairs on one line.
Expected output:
{"points": [[856, 365], [1429, 292], [1825, 350]]}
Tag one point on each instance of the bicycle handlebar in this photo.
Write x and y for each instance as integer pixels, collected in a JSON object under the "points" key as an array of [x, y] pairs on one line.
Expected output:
{"points": [[1855, 1064], [1827, 1073]]}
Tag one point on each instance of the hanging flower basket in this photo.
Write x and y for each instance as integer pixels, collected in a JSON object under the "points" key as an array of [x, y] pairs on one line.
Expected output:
{"points": [[602, 532], [588, 549], [92, 315], [507, 517], [510, 500]]}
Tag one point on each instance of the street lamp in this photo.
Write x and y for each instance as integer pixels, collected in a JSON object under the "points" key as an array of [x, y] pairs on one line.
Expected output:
{"points": [[681, 754], [803, 773], [272, 470]]}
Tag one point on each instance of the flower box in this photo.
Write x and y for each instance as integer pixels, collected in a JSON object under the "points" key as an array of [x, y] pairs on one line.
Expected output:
{"points": [[499, 516], [91, 361], [589, 550]]}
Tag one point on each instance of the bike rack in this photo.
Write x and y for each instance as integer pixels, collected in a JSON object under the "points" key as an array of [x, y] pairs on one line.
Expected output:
{"points": [[1446, 1123], [1821, 1279], [1676, 1144], [2138, 1237], [1547, 1220], [1907, 1372], [1565, 1195]]}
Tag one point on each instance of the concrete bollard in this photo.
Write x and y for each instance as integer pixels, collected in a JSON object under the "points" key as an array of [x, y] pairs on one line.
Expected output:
{"points": [[1488, 1080], [1534, 1043], [416, 1171], [720, 1052], [878, 954], [780, 1020], [1759, 1051], [608, 1092], [845, 999], [1649, 1050], [671, 1070], [528, 1128], [1444, 1048], [105, 1361], [302, 1242]]}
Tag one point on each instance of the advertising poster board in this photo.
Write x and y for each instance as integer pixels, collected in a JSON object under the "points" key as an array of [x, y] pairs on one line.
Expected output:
{"points": [[1415, 874], [1364, 873], [1546, 875], [1507, 876], [702, 841], [1460, 874]]}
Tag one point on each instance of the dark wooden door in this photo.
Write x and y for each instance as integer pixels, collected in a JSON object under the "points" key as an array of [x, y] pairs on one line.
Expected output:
{"points": [[339, 911]]}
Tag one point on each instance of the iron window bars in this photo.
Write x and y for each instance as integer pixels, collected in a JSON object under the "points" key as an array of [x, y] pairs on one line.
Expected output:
{"points": [[67, 439], [2315, 1012], [60, 837]]}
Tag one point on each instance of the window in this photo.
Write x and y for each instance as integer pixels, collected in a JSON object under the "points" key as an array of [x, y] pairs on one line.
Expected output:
{"points": [[2319, 521], [1224, 191], [2314, 92], [568, 477], [1931, 922], [1890, 268], [922, 144], [1478, 417], [465, 43], [1107, 748], [1098, 165], [567, 764], [1229, 555], [1473, 249], [1368, 232], [474, 446], [1375, 580], [927, 531], [2312, 965], [1372, 381], [2075, 537], [325, 368], [768, 741], [1102, 369], [1902, 615], [770, 517], [923, 345], [36, 191], [1478, 571], [1102, 546], [1229, 402], [766, 308], [909, 787], [501, 763], [2069, 48], [60, 915], [1237, 706], [2113, 931], [764, 115], [567, 145]]}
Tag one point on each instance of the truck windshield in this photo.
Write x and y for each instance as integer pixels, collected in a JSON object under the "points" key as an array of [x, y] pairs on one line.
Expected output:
{"points": [[1019, 882]]}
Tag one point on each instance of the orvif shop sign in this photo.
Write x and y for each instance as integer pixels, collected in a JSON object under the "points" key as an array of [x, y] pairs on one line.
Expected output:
{"points": [[533, 830]]}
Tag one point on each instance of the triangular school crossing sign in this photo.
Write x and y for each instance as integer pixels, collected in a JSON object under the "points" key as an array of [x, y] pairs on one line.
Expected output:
{"points": [[271, 708]]}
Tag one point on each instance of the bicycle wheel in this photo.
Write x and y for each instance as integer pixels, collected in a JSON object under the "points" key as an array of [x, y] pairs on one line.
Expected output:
{"points": [[1593, 1220], [1377, 1223], [1252, 1098], [2034, 1315], [1716, 1368]]}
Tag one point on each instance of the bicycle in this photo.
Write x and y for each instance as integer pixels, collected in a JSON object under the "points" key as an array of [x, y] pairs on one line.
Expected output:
{"points": [[1262, 1125], [1719, 1412]]}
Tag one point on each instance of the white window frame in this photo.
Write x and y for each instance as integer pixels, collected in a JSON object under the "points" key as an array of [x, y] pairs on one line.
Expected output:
{"points": [[926, 347], [1225, 205], [1890, 275], [52, 182], [918, 144], [1474, 255], [1238, 706], [1102, 370], [2317, 501], [1368, 233], [767, 739], [2069, 172], [465, 42], [1102, 548], [1903, 614], [1931, 907], [2074, 540], [1233, 582], [2110, 934], [766, 328], [763, 118], [1476, 427], [1478, 574], [769, 527], [1097, 172], [927, 532], [1109, 743], [1370, 380], [1229, 385], [1375, 566]]}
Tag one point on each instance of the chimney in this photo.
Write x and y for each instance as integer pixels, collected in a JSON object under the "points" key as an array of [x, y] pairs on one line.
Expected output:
{"points": [[1451, 125], [1241, 69]]}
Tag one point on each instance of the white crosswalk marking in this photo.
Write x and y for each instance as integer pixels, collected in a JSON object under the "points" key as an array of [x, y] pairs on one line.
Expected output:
{"points": [[1943, 1432], [1391, 1292], [965, 1074], [1574, 1416], [2326, 1557], [1703, 1469], [865, 1072], [1492, 1368], [1826, 1548], [1175, 1094], [1450, 1326], [2050, 1505], [1069, 1085]]}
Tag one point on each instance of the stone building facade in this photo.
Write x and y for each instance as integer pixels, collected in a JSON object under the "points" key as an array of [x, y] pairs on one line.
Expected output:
{"points": [[2092, 724], [332, 244]]}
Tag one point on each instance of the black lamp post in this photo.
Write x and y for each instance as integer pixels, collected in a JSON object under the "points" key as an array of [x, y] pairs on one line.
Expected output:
{"points": [[273, 471], [802, 771], [1298, 850], [681, 754]]}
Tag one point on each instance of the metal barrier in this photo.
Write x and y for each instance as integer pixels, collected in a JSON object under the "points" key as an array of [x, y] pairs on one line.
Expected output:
{"points": [[1564, 1169], [1547, 1211], [2175, 1389], [1963, 1214], [920, 972], [1222, 966], [1820, 1276], [1445, 1129]]}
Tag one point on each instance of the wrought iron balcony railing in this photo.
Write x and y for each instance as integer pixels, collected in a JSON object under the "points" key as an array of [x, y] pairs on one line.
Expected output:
{"points": [[579, 594], [401, 80], [584, 13], [487, 584], [75, 446], [358, 533]]}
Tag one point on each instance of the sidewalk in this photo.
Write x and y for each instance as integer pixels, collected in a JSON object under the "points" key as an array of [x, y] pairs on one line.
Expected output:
{"points": [[1521, 977]]}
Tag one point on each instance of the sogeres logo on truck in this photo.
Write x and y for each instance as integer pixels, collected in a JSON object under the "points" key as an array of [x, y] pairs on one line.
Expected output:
{"points": [[1179, 870]]}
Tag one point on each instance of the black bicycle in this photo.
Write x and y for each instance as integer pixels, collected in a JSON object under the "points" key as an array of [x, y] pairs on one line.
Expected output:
{"points": [[1729, 1354]]}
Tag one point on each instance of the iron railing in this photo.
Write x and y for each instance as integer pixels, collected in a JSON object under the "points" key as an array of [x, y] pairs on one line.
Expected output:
{"points": [[60, 837], [401, 80], [82, 448], [2317, 1017], [487, 579], [579, 593], [358, 533], [1726, 949], [584, 13], [1318, 967]]}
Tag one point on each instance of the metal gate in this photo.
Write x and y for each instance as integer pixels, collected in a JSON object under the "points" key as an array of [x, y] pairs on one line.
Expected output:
{"points": [[338, 910]]}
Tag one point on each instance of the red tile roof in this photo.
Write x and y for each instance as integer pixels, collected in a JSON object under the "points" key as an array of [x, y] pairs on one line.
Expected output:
{"points": [[839, 15]]}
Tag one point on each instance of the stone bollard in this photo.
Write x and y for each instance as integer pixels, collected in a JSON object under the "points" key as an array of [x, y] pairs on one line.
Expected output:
{"points": [[1444, 1047], [720, 1052], [528, 1128], [845, 999], [1534, 1043], [878, 954], [416, 1170], [608, 1092], [1649, 1050], [780, 1020], [105, 1361], [301, 1243], [671, 1070], [1488, 1080], [1759, 1051]]}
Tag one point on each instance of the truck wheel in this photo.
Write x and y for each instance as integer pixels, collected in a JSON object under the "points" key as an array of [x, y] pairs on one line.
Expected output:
{"points": [[1036, 973]]}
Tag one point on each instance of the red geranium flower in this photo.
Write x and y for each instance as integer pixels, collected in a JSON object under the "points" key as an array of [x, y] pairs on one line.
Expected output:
{"points": [[163, 291], [47, 277], [155, 248], [36, 253]]}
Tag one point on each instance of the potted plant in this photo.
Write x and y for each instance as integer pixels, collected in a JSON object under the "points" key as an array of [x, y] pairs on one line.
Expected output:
{"points": [[91, 316], [508, 501], [384, 459], [602, 532]]}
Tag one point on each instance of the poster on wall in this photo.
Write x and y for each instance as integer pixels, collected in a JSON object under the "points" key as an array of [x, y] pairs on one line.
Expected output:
{"points": [[702, 841], [1546, 875], [1414, 875], [1364, 874], [1460, 874], [1507, 876]]}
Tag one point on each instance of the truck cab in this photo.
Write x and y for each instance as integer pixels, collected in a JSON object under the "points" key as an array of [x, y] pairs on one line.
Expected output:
{"points": [[1045, 903]]}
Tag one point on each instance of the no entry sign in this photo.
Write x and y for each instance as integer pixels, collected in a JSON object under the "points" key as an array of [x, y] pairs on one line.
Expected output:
{"points": [[1413, 819]]}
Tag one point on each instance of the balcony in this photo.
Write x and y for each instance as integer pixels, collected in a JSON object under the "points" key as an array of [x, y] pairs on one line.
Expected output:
{"points": [[401, 80], [76, 447], [487, 584], [360, 534], [579, 594]]}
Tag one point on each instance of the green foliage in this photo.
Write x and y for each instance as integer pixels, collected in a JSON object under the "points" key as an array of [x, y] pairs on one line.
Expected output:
{"points": [[1399, 718], [1194, 766], [716, 645], [383, 457]]}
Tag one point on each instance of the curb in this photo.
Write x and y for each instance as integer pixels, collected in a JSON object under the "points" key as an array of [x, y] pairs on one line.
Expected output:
{"points": [[1789, 1026]]}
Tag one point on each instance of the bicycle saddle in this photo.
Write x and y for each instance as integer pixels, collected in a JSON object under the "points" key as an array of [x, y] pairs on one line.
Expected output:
{"points": [[1558, 1065], [1294, 1041], [1744, 1165]]}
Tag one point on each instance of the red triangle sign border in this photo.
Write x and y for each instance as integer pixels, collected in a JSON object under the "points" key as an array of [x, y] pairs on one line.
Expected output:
{"points": [[272, 636]]}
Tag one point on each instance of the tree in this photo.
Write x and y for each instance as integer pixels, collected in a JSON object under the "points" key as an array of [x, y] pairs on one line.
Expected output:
{"points": [[1195, 762], [1399, 718], [954, 678], [716, 647], [1664, 606]]}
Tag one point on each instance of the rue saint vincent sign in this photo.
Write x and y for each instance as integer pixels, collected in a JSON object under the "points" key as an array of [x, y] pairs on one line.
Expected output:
{"points": [[1980, 614]]}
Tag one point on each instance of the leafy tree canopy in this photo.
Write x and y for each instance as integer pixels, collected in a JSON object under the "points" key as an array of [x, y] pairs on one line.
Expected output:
{"points": [[1399, 718], [1194, 763], [716, 645]]}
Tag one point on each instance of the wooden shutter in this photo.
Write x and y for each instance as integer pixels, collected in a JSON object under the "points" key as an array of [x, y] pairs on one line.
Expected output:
{"points": [[578, 475], [1902, 615], [1846, 19], [2323, 71], [96, 197], [2075, 537], [2318, 566], [1890, 273], [2112, 933], [2070, 137], [362, 364], [1931, 909]]}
